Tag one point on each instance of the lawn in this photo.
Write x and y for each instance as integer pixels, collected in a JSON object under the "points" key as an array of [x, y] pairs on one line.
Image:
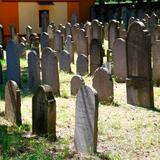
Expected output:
{"points": [[124, 131]]}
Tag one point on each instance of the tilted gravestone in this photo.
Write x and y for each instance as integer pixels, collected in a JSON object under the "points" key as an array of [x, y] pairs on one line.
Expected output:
{"points": [[96, 55], [1, 74], [102, 82], [119, 59], [82, 45], [44, 40], [13, 62], [64, 61], [33, 69], [50, 75], [156, 61], [70, 47], [44, 112], [113, 32], [76, 82], [82, 65], [13, 103], [86, 118], [139, 73], [75, 31]]}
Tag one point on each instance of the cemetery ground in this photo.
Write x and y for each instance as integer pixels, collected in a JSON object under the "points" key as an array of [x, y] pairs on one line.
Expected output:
{"points": [[124, 131]]}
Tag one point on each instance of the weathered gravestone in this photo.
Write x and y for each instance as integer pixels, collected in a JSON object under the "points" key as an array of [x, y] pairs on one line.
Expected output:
{"points": [[70, 47], [50, 73], [113, 32], [1, 74], [51, 30], [75, 31], [88, 34], [86, 118], [64, 61], [44, 21], [139, 73], [13, 103], [156, 61], [82, 65], [13, 62], [103, 84], [96, 55], [44, 112], [119, 59], [76, 82], [155, 34], [33, 69], [44, 40]]}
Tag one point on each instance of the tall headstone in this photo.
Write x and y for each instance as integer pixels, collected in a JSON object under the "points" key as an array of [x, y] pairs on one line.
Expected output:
{"points": [[13, 62], [13, 103], [44, 112], [103, 84], [119, 59], [82, 45], [45, 21], [33, 69], [76, 82], [44, 40], [139, 73], [96, 57], [65, 62], [113, 32], [50, 75], [156, 61], [82, 65], [86, 119]]}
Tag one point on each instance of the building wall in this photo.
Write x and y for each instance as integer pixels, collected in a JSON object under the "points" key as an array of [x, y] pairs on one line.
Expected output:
{"points": [[29, 14]]}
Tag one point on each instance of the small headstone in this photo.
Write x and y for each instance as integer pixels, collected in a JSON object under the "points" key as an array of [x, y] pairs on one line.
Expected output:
{"points": [[76, 82], [44, 112], [64, 61], [96, 57], [103, 84], [13, 103], [50, 75], [85, 138], [33, 69], [13, 62], [82, 65], [44, 40], [119, 59]]}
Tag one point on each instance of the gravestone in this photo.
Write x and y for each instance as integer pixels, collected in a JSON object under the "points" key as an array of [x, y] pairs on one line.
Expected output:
{"points": [[86, 118], [156, 61], [34, 42], [44, 40], [45, 21], [63, 32], [139, 74], [88, 34], [64, 61], [50, 75], [119, 59], [51, 32], [70, 47], [96, 57], [33, 69], [28, 33], [82, 45], [82, 65], [13, 62], [13, 103], [76, 82], [75, 31], [68, 29], [13, 33], [103, 84], [153, 21], [1, 35], [44, 112], [113, 32], [58, 42], [1, 74], [155, 34]]}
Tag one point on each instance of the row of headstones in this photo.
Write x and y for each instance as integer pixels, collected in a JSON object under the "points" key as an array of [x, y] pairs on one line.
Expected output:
{"points": [[44, 114]]}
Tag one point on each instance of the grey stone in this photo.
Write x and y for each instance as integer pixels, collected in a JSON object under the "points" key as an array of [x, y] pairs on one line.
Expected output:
{"points": [[44, 112], [44, 40], [103, 84], [76, 82], [86, 116], [13, 103], [50, 75], [45, 21], [51, 30]]}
